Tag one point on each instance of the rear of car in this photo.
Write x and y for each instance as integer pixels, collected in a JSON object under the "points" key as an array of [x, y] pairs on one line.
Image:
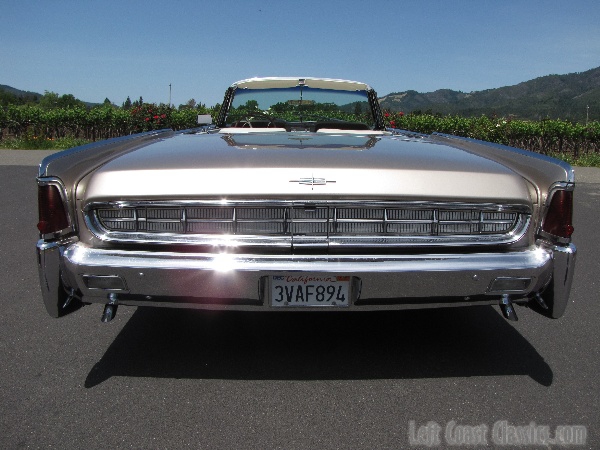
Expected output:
{"points": [[306, 202]]}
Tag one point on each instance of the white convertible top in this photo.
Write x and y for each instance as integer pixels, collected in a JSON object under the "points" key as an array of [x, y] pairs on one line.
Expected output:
{"points": [[288, 82]]}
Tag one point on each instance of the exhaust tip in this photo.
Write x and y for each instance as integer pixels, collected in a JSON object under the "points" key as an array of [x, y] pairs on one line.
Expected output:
{"points": [[508, 309], [109, 313], [110, 309]]}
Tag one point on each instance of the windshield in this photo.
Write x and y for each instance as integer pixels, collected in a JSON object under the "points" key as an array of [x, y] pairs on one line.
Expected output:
{"points": [[301, 107]]}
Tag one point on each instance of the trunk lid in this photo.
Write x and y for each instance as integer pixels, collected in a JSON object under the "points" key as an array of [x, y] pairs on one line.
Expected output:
{"points": [[300, 165]]}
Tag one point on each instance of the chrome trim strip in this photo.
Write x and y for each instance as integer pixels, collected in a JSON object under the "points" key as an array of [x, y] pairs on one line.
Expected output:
{"points": [[521, 208], [559, 186]]}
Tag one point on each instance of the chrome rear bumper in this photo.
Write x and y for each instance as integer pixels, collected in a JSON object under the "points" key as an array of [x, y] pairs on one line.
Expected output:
{"points": [[241, 281]]}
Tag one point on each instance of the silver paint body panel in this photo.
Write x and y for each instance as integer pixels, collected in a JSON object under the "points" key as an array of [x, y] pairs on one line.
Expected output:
{"points": [[264, 165]]}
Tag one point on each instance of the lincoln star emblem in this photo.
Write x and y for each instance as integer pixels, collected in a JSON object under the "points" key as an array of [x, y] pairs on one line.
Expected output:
{"points": [[312, 181]]}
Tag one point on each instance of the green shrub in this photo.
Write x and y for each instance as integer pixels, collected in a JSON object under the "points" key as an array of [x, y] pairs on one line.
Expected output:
{"points": [[545, 136], [31, 126]]}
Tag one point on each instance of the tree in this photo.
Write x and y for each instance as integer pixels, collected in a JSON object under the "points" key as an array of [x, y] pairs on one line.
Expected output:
{"points": [[51, 100], [139, 102], [251, 105], [202, 109], [6, 98], [190, 104], [127, 103], [69, 101]]}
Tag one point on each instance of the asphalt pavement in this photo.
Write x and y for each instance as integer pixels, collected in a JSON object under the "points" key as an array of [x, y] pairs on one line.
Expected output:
{"points": [[156, 378]]}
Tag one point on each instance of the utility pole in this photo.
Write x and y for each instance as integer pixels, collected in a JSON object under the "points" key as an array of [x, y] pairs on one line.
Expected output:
{"points": [[587, 115], [169, 95]]}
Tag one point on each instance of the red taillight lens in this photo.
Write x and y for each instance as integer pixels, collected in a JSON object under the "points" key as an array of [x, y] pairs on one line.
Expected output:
{"points": [[559, 218], [52, 212]]}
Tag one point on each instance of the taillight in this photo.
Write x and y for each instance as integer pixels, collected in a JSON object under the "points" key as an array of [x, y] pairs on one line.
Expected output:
{"points": [[559, 217], [52, 212]]}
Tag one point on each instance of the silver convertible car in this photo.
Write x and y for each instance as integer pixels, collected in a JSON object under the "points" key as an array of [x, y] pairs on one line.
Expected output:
{"points": [[298, 198]]}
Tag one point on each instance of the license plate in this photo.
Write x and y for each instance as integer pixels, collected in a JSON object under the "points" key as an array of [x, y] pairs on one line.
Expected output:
{"points": [[308, 290]]}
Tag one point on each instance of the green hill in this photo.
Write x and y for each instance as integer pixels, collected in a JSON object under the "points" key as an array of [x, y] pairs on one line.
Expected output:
{"points": [[10, 95], [552, 96]]}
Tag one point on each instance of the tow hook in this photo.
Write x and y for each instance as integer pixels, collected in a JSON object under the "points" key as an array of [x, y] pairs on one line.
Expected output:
{"points": [[507, 308], [110, 309]]}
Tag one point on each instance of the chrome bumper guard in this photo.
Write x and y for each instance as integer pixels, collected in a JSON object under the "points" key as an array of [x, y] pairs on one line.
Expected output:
{"points": [[49, 270], [241, 281]]}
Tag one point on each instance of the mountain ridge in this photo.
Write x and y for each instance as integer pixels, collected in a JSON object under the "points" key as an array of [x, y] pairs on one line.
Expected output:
{"points": [[551, 96], [574, 96]]}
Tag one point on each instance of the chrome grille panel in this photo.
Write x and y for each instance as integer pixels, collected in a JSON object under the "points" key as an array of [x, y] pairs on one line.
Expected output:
{"points": [[308, 223]]}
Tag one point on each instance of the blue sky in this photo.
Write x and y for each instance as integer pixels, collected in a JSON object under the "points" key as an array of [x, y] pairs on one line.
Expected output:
{"points": [[115, 49]]}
